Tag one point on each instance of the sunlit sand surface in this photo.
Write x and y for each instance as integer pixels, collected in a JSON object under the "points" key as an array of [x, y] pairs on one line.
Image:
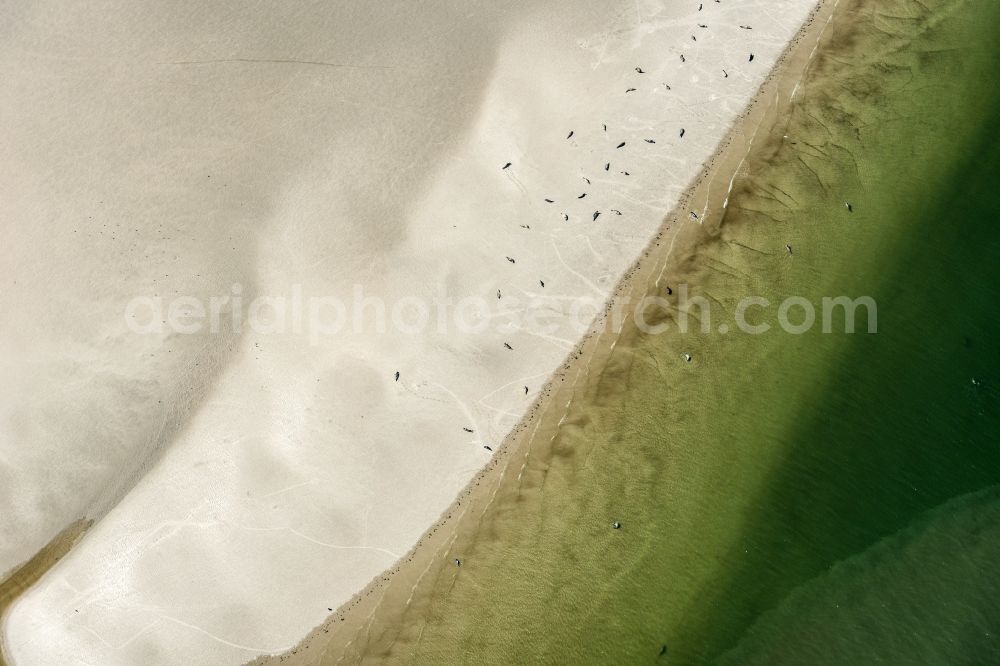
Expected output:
{"points": [[244, 483]]}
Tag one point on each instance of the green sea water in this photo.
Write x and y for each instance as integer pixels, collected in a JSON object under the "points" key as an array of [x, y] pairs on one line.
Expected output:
{"points": [[813, 498]]}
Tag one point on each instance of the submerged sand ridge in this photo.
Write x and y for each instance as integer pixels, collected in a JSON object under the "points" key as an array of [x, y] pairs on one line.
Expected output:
{"points": [[246, 482]]}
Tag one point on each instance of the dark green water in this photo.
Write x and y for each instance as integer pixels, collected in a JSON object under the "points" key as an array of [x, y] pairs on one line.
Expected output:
{"points": [[815, 498]]}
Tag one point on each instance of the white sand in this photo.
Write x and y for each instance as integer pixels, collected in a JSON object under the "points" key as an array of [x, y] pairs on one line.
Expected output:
{"points": [[245, 483]]}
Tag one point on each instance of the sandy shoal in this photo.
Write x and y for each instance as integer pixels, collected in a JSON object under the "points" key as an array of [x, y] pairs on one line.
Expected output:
{"points": [[244, 482]]}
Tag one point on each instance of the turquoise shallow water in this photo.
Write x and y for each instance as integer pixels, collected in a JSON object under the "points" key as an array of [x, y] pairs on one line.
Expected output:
{"points": [[815, 498]]}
